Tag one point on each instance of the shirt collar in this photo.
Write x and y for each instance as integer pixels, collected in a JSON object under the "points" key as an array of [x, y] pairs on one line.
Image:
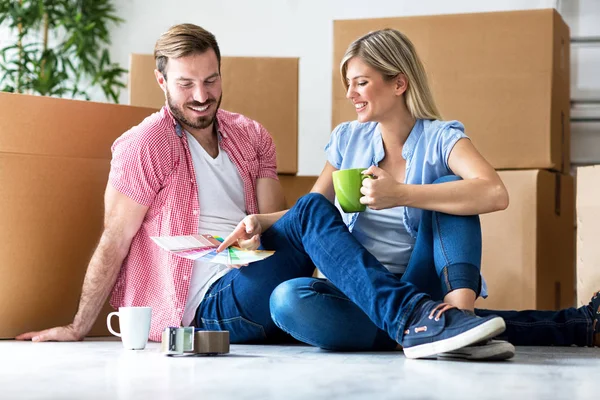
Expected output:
{"points": [[409, 145]]}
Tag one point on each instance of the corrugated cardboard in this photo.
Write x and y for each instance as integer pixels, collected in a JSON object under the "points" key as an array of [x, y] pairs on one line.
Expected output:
{"points": [[262, 88], [54, 164], [295, 187], [588, 233], [505, 75], [529, 248]]}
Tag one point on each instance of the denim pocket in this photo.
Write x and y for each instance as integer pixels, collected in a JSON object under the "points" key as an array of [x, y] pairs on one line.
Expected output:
{"points": [[241, 330]]}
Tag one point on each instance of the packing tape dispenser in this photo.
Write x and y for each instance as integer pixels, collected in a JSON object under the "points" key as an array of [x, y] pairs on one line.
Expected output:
{"points": [[188, 341]]}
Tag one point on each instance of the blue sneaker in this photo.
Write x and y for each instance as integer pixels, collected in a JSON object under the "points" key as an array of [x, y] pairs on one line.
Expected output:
{"points": [[437, 327]]}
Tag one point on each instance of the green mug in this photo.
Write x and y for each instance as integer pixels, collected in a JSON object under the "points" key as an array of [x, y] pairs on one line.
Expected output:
{"points": [[347, 184]]}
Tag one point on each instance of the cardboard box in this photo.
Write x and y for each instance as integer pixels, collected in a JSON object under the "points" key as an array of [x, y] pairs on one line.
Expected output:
{"points": [[295, 187], [262, 88], [54, 164], [505, 75], [529, 248], [588, 233]]}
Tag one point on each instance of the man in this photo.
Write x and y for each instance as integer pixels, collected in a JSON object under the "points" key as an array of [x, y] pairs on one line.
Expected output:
{"points": [[188, 168]]}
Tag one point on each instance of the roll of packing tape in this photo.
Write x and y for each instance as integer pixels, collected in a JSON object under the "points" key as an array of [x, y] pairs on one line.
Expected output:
{"points": [[211, 342]]}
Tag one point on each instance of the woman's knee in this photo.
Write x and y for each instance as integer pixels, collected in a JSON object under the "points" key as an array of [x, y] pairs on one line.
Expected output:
{"points": [[287, 299]]}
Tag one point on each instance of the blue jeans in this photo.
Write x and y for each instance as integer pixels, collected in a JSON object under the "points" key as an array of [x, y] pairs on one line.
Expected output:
{"points": [[446, 256], [311, 233]]}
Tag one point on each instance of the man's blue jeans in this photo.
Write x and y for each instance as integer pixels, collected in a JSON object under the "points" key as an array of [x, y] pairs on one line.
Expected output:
{"points": [[310, 233], [446, 256]]}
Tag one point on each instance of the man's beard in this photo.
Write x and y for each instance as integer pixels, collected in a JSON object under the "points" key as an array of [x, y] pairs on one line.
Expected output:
{"points": [[198, 123]]}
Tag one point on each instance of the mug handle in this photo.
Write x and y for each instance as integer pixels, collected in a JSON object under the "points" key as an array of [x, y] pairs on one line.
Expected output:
{"points": [[108, 325]]}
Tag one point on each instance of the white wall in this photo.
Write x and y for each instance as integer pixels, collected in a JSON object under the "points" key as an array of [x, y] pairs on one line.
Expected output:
{"points": [[294, 28], [303, 28]]}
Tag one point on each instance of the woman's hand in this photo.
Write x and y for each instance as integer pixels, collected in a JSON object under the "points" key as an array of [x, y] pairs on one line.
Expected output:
{"points": [[246, 234], [382, 191]]}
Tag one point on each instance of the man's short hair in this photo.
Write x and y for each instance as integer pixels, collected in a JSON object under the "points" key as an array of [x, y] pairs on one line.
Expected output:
{"points": [[183, 40]]}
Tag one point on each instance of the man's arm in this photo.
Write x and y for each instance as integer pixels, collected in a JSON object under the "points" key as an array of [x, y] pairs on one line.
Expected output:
{"points": [[123, 218], [269, 196]]}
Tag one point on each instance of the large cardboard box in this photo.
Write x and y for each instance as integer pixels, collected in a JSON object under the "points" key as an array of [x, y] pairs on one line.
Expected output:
{"points": [[588, 233], [505, 75], [262, 88], [529, 248], [54, 164], [295, 187]]}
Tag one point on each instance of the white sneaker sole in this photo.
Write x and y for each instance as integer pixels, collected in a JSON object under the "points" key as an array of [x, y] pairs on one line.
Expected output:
{"points": [[495, 350], [485, 331]]}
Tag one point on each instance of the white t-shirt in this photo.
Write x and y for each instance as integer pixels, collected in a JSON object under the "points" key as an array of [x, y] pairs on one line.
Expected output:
{"points": [[222, 207], [383, 233]]}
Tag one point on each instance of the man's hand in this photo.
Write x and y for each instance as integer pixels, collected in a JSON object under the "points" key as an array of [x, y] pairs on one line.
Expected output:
{"points": [[66, 333], [383, 191], [246, 234]]}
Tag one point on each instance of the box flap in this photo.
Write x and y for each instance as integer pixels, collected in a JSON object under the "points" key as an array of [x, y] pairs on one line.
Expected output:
{"points": [[59, 127]]}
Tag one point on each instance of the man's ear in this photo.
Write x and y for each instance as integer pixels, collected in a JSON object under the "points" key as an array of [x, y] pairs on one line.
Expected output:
{"points": [[162, 82], [400, 84]]}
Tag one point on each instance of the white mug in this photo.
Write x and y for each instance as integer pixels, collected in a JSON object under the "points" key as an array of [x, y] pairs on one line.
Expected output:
{"points": [[135, 326]]}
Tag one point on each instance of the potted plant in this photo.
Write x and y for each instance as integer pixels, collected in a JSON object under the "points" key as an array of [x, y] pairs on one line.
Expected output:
{"points": [[59, 48]]}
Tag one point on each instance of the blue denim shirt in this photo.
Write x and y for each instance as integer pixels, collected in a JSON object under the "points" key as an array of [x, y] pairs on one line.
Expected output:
{"points": [[355, 145]]}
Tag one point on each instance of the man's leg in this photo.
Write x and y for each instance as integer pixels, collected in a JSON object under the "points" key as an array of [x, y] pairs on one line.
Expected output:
{"points": [[571, 326], [239, 301]]}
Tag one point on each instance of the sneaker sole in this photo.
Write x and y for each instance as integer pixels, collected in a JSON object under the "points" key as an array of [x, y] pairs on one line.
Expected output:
{"points": [[485, 331], [495, 351]]}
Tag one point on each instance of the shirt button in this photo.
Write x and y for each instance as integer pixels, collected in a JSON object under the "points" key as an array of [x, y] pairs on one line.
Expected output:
{"points": [[195, 212], [185, 277]]}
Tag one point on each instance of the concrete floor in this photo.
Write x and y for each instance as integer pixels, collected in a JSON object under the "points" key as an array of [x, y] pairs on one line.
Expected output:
{"points": [[102, 369]]}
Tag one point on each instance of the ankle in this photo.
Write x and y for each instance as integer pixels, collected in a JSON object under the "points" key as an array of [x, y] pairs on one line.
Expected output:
{"points": [[463, 299]]}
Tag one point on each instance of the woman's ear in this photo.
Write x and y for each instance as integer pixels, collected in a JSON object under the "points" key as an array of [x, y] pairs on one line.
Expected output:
{"points": [[400, 84]]}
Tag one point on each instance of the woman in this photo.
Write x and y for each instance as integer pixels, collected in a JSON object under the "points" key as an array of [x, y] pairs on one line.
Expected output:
{"points": [[421, 222]]}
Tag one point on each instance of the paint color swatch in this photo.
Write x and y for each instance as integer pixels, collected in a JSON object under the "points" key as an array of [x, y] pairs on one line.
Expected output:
{"points": [[204, 247]]}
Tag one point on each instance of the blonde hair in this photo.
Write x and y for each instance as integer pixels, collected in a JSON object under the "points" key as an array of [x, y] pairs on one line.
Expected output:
{"points": [[183, 40], [391, 53]]}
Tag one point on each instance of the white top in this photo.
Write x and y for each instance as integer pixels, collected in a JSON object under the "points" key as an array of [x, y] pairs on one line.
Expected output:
{"points": [[383, 233], [222, 207]]}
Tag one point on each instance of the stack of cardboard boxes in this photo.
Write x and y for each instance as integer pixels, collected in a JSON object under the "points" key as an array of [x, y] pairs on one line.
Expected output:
{"points": [[54, 163], [505, 75], [262, 88]]}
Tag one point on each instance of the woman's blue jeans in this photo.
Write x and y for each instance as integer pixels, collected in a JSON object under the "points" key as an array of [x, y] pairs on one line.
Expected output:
{"points": [[446, 256], [311, 233]]}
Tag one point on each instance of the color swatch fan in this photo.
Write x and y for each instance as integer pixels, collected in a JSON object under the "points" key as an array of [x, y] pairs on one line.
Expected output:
{"points": [[204, 247]]}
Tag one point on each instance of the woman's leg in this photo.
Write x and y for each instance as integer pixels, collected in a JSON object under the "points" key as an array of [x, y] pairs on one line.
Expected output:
{"points": [[446, 259], [312, 231], [430, 328], [316, 312]]}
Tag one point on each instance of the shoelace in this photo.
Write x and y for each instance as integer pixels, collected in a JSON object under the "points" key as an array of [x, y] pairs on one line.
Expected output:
{"points": [[440, 308]]}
